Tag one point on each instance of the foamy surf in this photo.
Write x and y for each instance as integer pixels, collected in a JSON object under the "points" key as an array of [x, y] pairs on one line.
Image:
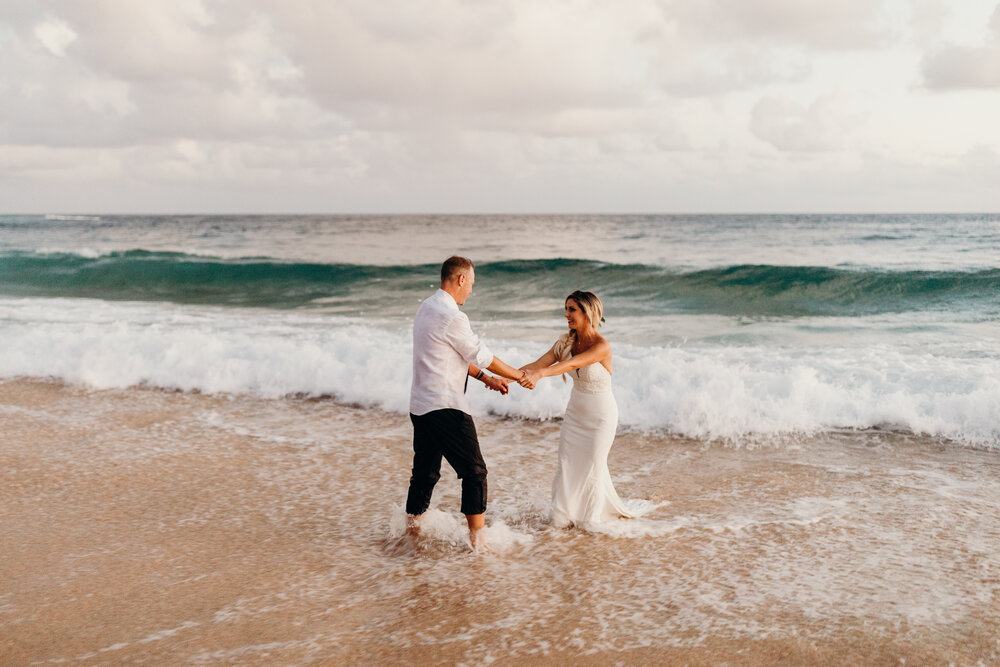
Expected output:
{"points": [[443, 529], [734, 393]]}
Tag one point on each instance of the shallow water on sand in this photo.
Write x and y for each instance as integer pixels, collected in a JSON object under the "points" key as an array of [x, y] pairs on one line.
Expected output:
{"points": [[194, 529]]}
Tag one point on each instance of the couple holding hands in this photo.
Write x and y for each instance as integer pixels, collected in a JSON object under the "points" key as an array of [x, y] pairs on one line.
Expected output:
{"points": [[446, 352]]}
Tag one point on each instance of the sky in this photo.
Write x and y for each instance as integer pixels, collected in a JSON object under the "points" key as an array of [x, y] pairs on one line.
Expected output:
{"points": [[499, 106]]}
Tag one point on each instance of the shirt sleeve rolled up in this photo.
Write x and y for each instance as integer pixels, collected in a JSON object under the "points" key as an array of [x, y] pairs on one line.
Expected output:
{"points": [[459, 335]]}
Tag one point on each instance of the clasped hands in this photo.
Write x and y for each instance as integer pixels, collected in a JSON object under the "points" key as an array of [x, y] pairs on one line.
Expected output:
{"points": [[527, 380], [529, 377]]}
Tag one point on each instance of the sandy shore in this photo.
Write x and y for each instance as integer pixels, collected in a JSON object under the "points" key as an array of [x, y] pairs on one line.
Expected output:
{"points": [[133, 532]]}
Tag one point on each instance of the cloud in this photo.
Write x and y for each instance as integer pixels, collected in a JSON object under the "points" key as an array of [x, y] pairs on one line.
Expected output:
{"points": [[356, 105], [150, 72], [717, 47], [926, 20], [465, 63], [55, 35], [822, 126], [821, 24], [963, 66], [958, 68], [213, 71], [728, 69], [151, 43]]}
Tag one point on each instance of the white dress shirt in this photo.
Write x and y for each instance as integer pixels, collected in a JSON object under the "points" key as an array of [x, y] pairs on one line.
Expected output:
{"points": [[443, 348]]}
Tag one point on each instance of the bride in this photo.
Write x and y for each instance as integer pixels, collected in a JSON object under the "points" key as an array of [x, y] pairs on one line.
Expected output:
{"points": [[582, 492]]}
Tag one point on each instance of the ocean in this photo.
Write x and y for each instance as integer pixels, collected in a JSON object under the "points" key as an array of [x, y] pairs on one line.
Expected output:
{"points": [[811, 404]]}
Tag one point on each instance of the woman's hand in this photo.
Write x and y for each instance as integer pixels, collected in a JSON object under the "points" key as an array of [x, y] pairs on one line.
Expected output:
{"points": [[530, 378], [496, 384]]}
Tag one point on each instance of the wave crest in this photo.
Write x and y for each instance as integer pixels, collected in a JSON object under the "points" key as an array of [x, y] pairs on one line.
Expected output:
{"points": [[743, 290]]}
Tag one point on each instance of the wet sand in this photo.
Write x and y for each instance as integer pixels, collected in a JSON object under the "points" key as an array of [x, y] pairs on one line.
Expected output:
{"points": [[149, 526]]}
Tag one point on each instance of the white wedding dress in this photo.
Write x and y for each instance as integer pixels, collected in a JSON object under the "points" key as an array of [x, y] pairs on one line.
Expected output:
{"points": [[582, 492]]}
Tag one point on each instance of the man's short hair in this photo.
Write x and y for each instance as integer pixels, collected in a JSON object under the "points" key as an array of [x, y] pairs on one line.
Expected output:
{"points": [[455, 265]]}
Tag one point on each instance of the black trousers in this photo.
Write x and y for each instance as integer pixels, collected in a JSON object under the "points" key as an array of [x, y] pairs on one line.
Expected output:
{"points": [[451, 434]]}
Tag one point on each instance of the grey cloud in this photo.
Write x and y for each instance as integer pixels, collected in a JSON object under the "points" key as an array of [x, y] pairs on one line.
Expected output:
{"points": [[732, 68], [140, 74], [716, 47], [461, 61], [791, 127], [960, 67], [359, 105], [149, 42], [461, 71], [217, 71], [927, 18], [846, 24], [52, 101]]}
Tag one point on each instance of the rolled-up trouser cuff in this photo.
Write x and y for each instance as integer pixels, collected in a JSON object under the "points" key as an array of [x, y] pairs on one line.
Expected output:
{"points": [[474, 494], [450, 434]]}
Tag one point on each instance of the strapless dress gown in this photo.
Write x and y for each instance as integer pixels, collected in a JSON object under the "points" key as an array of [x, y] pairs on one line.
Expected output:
{"points": [[582, 491]]}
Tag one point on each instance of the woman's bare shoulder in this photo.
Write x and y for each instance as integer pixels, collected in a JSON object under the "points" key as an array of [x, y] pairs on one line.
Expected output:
{"points": [[600, 347]]}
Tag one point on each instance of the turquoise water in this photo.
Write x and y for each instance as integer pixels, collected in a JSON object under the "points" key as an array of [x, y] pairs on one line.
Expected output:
{"points": [[743, 291]]}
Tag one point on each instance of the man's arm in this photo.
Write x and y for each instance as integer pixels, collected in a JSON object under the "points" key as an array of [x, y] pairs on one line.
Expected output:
{"points": [[468, 345], [491, 382], [500, 368]]}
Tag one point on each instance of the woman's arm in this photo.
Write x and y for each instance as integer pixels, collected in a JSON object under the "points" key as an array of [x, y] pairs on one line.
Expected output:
{"points": [[598, 352], [501, 368]]}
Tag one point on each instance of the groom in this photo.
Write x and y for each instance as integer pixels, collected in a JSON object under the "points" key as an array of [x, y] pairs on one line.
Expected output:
{"points": [[445, 354]]}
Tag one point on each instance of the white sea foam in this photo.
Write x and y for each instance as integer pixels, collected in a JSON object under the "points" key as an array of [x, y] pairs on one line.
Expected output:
{"points": [[703, 391], [448, 529], [89, 253], [75, 218]]}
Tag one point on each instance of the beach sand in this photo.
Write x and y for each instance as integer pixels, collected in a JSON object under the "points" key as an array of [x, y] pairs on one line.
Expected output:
{"points": [[142, 525]]}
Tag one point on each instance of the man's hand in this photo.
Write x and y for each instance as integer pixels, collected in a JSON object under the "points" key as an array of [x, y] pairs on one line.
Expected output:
{"points": [[496, 384], [529, 378]]}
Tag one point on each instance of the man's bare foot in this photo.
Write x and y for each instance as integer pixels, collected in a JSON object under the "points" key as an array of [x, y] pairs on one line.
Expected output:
{"points": [[476, 524], [478, 540]]}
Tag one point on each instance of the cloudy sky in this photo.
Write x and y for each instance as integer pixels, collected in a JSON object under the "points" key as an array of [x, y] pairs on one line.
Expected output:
{"points": [[499, 106]]}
